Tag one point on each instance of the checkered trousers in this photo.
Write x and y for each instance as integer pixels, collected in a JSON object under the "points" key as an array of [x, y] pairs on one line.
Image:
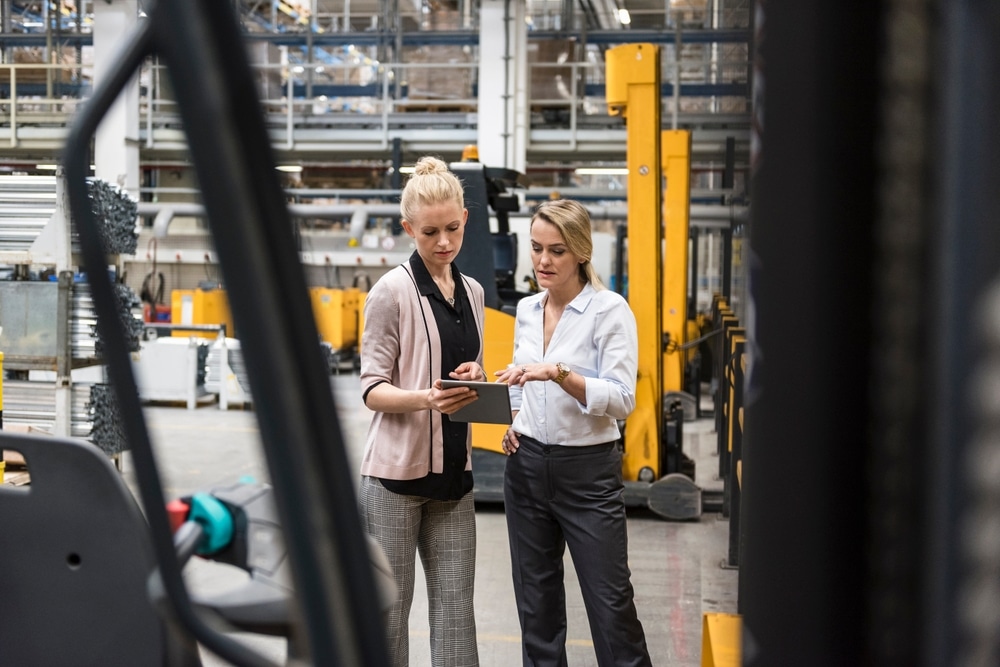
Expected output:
{"points": [[443, 533]]}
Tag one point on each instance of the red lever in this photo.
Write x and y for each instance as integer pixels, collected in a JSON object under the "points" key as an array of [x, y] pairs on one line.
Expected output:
{"points": [[177, 513]]}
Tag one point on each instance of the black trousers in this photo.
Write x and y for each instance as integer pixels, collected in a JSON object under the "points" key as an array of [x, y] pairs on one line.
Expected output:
{"points": [[556, 496]]}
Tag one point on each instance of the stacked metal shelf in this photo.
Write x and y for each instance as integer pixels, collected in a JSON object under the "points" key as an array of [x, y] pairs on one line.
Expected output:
{"points": [[47, 319], [26, 206]]}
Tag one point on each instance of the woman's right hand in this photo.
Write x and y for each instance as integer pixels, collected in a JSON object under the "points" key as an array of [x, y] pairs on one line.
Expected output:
{"points": [[451, 400]]}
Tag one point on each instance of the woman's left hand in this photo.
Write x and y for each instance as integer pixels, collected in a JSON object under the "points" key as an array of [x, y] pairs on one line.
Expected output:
{"points": [[519, 374], [469, 371]]}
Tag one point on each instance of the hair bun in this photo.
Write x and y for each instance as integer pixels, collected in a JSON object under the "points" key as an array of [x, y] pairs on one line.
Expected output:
{"points": [[431, 183], [429, 165]]}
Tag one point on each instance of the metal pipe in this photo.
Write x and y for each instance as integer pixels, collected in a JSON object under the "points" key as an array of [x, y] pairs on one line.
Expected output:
{"points": [[34, 403], [702, 215], [506, 82]]}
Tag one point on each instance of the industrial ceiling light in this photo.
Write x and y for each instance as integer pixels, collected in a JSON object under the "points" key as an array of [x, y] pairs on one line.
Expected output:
{"points": [[623, 16], [290, 168], [601, 171], [54, 167]]}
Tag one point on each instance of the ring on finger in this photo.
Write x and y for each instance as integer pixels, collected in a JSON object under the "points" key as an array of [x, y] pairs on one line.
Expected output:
{"points": [[524, 370]]}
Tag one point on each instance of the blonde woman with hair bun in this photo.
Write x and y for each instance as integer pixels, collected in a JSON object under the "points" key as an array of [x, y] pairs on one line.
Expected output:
{"points": [[424, 322]]}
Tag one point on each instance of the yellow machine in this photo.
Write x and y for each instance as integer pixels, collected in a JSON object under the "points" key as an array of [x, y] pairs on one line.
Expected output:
{"points": [[200, 306], [655, 467], [336, 311]]}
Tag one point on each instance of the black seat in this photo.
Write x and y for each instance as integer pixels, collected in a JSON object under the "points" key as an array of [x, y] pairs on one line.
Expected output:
{"points": [[505, 259], [75, 557]]}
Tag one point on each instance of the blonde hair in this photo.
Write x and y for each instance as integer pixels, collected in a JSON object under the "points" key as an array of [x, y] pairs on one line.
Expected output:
{"points": [[431, 183], [573, 222]]}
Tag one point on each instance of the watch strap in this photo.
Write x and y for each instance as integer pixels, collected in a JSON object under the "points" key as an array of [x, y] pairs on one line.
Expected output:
{"points": [[564, 370]]}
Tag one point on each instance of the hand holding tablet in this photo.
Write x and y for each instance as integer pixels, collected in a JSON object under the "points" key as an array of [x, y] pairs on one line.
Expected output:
{"points": [[492, 406]]}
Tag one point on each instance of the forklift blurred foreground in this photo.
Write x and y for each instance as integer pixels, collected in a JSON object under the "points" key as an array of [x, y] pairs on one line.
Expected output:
{"points": [[332, 608]]}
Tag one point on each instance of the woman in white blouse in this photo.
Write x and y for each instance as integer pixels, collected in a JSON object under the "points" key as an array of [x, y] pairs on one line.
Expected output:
{"points": [[572, 378]]}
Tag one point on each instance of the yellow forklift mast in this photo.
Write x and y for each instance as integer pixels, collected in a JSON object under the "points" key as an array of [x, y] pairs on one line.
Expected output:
{"points": [[633, 92], [655, 468]]}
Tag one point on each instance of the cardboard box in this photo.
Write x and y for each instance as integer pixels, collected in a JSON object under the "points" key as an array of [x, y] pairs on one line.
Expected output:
{"points": [[13, 459]]}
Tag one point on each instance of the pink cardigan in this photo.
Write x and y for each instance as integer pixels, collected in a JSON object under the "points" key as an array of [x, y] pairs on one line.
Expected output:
{"points": [[401, 345]]}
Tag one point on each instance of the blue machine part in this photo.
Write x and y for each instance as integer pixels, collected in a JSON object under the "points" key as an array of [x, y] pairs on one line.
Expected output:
{"points": [[215, 520]]}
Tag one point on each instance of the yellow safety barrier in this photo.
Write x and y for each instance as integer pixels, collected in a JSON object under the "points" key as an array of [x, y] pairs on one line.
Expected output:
{"points": [[720, 640]]}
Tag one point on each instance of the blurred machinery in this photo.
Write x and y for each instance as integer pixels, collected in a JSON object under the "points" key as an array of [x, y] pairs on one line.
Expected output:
{"points": [[151, 295], [73, 485]]}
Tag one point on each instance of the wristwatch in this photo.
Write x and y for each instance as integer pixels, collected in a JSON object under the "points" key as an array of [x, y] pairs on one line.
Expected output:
{"points": [[563, 372]]}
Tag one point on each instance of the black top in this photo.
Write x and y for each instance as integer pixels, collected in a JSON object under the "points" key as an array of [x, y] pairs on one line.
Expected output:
{"points": [[459, 343]]}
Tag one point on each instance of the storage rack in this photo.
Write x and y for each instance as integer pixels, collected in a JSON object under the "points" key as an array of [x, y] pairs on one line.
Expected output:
{"points": [[47, 325]]}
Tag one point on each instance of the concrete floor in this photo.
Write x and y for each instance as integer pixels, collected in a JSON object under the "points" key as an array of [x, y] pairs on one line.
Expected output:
{"points": [[676, 567]]}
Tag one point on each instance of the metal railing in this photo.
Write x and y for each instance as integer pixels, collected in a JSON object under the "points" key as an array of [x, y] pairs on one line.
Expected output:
{"points": [[321, 104]]}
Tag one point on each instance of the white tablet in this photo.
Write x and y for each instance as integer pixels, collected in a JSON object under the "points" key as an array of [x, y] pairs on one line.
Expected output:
{"points": [[492, 406]]}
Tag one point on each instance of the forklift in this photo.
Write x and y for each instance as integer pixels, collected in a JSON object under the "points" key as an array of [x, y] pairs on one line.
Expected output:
{"points": [[658, 473], [491, 258]]}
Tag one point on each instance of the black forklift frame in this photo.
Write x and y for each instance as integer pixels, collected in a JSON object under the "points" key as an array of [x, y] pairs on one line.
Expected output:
{"points": [[335, 602]]}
